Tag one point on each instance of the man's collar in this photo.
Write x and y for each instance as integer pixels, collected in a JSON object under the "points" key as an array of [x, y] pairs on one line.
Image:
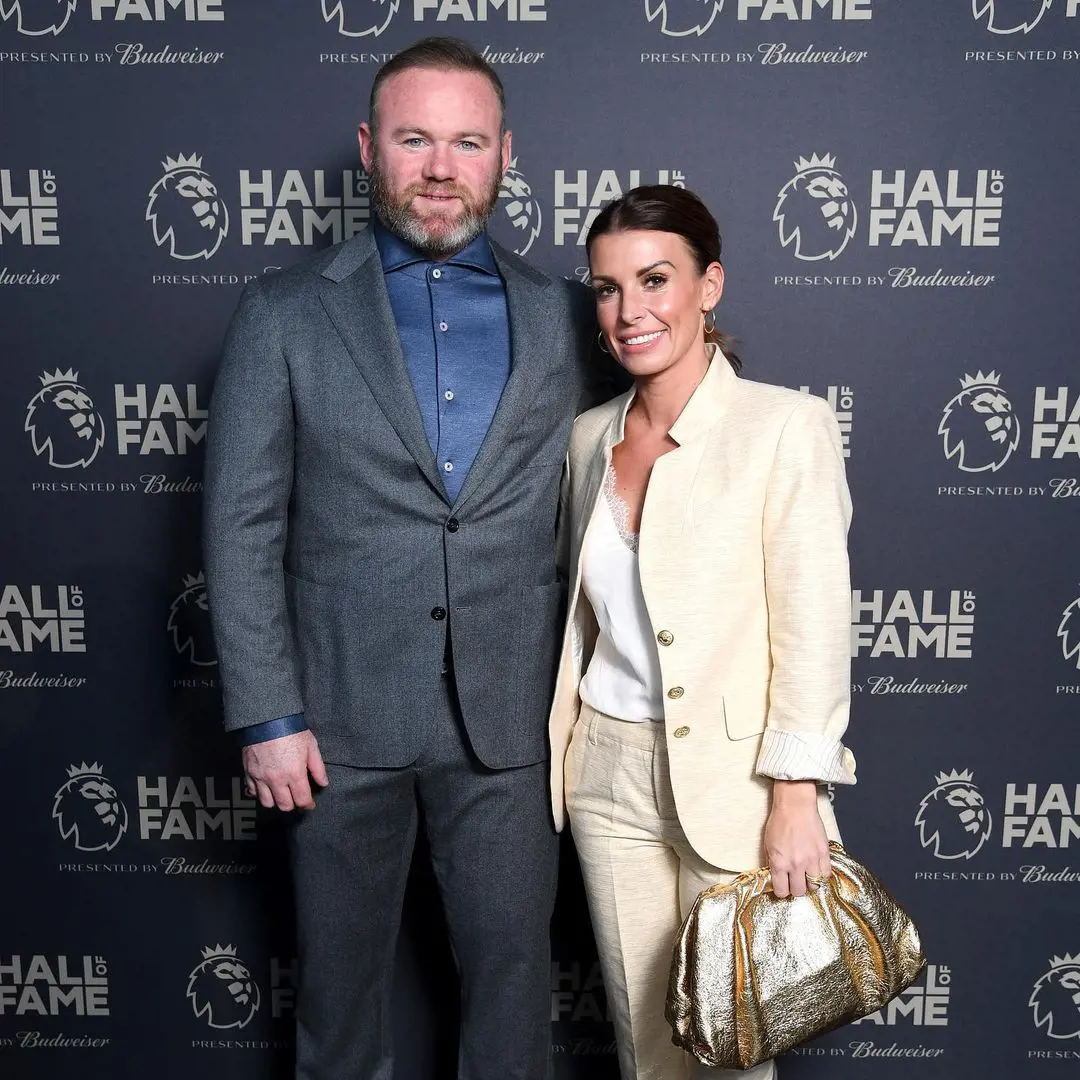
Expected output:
{"points": [[395, 253]]}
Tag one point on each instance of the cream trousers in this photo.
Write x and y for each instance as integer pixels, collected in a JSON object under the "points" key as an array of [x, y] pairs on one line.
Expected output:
{"points": [[641, 878]]}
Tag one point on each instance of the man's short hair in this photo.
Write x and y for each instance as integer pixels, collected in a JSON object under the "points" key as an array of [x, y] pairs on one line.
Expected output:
{"points": [[435, 54]]}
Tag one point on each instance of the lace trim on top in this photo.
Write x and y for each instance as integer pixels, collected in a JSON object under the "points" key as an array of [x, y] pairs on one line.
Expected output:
{"points": [[620, 512]]}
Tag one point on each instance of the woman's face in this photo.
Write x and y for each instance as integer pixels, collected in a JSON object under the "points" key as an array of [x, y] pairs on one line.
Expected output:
{"points": [[650, 298]]}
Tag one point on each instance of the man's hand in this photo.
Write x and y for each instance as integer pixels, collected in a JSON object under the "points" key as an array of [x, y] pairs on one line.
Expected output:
{"points": [[276, 771], [795, 840]]}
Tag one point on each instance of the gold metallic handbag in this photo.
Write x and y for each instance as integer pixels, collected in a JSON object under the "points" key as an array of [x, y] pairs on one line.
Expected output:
{"points": [[753, 975]]}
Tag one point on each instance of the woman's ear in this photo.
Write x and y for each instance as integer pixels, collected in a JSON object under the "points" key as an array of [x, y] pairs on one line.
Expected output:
{"points": [[712, 286]]}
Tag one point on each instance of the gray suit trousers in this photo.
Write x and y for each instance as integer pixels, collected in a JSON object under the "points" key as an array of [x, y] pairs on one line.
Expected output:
{"points": [[494, 854]]}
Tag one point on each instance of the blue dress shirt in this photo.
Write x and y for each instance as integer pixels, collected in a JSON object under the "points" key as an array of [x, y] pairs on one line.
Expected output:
{"points": [[454, 329]]}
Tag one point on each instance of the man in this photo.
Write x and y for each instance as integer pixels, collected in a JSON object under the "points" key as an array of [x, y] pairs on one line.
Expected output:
{"points": [[386, 439]]}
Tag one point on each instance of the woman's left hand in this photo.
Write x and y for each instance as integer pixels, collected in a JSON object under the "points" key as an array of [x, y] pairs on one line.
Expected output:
{"points": [[795, 841]]}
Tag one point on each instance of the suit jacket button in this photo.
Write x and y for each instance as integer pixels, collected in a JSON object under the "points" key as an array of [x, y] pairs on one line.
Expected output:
{"points": [[438, 613], [452, 525], [681, 732], [675, 693], [665, 637]]}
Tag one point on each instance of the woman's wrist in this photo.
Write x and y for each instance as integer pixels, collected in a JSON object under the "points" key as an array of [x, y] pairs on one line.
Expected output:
{"points": [[794, 792]]}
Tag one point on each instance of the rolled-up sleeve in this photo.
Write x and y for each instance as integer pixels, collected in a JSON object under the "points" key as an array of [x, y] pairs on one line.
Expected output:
{"points": [[805, 755]]}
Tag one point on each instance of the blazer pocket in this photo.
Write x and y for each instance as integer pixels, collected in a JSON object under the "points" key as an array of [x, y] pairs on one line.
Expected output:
{"points": [[742, 722]]}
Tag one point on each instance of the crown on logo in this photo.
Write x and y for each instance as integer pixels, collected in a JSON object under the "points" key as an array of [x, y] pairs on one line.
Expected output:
{"points": [[191, 580], [82, 769], [1064, 961], [171, 164], [50, 378], [965, 777], [825, 161], [991, 378], [216, 952]]}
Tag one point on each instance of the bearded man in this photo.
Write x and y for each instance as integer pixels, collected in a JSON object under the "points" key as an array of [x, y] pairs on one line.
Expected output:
{"points": [[386, 438]]}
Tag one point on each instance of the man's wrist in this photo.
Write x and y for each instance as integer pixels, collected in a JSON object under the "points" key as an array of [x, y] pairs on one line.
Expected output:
{"points": [[271, 729]]}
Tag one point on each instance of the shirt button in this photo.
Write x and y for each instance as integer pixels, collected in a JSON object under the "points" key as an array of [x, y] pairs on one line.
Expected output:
{"points": [[665, 637], [438, 613], [675, 693], [436, 273], [453, 525], [681, 732], [448, 466], [443, 326], [448, 394]]}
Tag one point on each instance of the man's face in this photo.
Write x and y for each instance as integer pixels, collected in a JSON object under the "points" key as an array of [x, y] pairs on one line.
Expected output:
{"points": [[437, 157]]}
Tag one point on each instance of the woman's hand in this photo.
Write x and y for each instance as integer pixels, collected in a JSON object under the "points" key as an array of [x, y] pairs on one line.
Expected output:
{"points": [[795, 841]]}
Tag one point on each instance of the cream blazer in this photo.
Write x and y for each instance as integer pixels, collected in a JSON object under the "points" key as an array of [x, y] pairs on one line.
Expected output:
{"points": [[744, 569]]}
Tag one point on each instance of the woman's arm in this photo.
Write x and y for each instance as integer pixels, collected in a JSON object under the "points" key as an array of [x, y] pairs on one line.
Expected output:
{"points": [[808, 591]]}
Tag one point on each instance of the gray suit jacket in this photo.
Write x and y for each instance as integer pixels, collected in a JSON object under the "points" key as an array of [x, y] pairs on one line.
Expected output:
{"points": [[331, 548]]}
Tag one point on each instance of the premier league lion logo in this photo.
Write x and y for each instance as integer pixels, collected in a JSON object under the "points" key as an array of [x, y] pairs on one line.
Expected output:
{"points": [[521, 208], [814, 210], [221, 989], [37, 17], [678, 18], [953, 819], [1055, 1001], [186, 211], [62, 422], [1010, 16], [978, 426], [88, 811], [1069, 632], [358, 18], [189, 623]]}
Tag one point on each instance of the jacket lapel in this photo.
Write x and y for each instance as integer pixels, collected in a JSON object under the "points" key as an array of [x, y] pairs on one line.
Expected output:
{"points": [[592, 472], [594, 475], [353, 293], [530, 357], [665, 515]]}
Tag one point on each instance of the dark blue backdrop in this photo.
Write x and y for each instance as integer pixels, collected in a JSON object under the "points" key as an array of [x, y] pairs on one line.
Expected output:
{"points": [[896, 186]]}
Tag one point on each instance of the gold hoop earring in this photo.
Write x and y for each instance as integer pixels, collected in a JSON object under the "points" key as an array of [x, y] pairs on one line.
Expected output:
{"points": [[710, 329], [603, 343]]}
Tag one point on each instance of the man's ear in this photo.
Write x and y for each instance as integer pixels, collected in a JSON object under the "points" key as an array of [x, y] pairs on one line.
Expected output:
{"points": [[366, 137], [507, 139]]}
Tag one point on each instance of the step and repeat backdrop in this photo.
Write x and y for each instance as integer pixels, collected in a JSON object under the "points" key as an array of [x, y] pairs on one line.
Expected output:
{"points": [[897, 188]]}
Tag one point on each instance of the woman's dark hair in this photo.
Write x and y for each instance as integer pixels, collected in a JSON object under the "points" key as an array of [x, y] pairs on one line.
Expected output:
{"points": [[665, 208]]}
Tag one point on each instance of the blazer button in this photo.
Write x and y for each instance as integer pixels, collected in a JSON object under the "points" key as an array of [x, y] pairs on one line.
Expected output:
{"points": [[438, 613], [675, 693], [681, 732], [452, 525], [665, 637]]}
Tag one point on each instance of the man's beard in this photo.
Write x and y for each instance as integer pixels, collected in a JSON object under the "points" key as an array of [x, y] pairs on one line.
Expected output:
{"points": [[447, 237]]}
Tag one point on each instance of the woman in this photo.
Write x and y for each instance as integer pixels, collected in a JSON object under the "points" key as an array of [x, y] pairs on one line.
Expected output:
{"points": [[704, 681]]}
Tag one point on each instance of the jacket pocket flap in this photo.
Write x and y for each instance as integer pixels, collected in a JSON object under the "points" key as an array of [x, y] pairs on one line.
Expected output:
{"points": [[742, 720]]}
